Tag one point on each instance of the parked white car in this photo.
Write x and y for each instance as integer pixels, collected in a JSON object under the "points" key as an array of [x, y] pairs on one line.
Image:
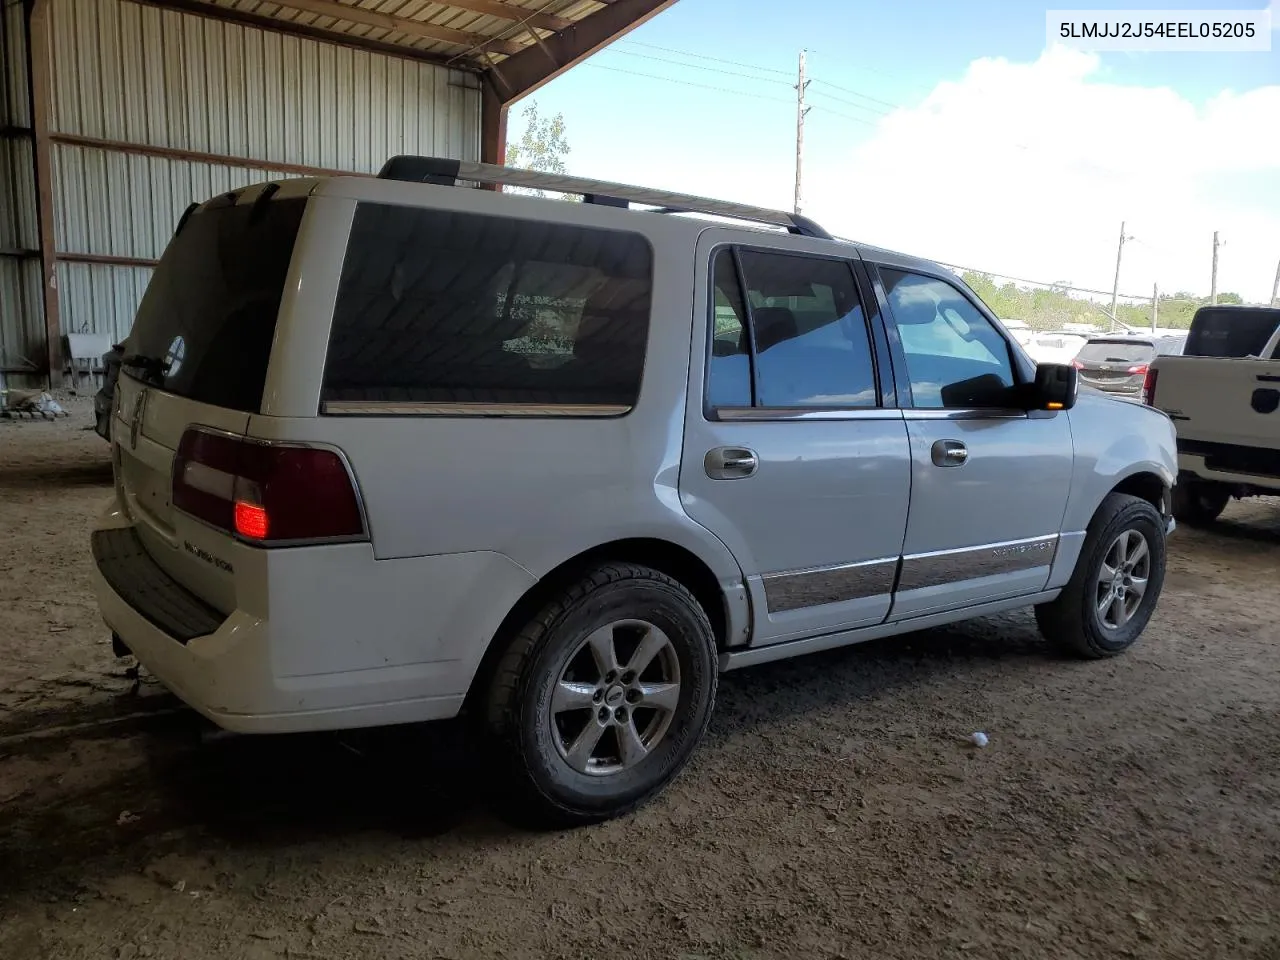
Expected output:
{"points": [[1055, 346], [1223, 396], [1020, 330], [389, 449]]}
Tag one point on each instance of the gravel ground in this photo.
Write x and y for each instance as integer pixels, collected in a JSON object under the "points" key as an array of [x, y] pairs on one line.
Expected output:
{"points": [[1129, 808]]}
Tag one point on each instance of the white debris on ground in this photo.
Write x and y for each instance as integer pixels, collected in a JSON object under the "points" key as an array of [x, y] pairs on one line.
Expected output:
{"points": [[31, 403]]}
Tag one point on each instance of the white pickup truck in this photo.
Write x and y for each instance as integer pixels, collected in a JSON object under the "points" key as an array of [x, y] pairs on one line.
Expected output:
{"points": [[1223, 395]]}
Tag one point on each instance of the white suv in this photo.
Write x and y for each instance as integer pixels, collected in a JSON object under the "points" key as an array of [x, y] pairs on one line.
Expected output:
{"points": [[388, 448]]}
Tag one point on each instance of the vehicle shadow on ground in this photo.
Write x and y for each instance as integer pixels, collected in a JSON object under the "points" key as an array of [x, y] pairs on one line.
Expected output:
{"points": [[1245, 531], [56, 476], [274, 793]]}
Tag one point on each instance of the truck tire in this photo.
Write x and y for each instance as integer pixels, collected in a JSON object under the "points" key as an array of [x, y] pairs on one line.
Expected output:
{"points": [[1198, 503], [598, 702], [1116, 583]]}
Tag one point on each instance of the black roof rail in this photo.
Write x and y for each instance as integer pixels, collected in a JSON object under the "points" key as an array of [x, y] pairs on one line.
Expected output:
{"points": [[445, 172]]}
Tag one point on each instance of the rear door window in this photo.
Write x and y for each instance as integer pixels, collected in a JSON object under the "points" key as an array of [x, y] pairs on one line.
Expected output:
{"points": [[809, 333], [456, 310], [206, 323]]}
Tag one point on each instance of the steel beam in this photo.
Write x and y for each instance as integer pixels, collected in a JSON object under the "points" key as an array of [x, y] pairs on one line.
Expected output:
{"points": [[524, 72], [199, 156], [212, 11], [40, 85], [509, 11], [405, 25], [493, 124]]}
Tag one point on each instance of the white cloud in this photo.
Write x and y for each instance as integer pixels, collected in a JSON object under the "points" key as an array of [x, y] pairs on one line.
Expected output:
{"points": [[1029, 168]]}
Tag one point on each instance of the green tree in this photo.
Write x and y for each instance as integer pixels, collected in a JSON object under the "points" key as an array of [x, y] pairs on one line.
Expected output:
{"points": [[1047, 308], [542, 147]]}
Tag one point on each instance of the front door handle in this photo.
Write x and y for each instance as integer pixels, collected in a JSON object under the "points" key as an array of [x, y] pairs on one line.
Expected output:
{"points": [[731, 463], [949, 453]]}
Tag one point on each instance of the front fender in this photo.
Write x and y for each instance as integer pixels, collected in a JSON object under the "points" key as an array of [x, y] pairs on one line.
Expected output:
{"points": [[1114, 441]]}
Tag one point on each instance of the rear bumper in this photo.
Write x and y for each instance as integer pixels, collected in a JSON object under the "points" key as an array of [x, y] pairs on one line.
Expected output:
{"points": [[351, 641], [1257, 468]]}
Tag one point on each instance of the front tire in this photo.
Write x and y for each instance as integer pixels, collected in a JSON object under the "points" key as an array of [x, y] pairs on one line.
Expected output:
{"points": [[1116, 584], [1198, 503], [598, 703]]}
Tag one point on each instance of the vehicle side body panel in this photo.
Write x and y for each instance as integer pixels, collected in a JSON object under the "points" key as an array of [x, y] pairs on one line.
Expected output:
{"points": [[848, 530]]}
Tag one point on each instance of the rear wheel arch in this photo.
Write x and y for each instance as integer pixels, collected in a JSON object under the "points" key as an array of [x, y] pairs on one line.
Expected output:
{"points": [[677, 562]]}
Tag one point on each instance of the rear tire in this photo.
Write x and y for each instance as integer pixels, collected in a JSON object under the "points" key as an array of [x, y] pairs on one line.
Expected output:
{"points": [[1098, 614], [598, 703], [1198, 503]]}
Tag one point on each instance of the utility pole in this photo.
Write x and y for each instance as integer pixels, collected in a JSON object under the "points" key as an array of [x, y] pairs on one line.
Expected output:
{"points": [[801, 110], [1155, 306], [1115, 287], [1275, 288], [1213, 279]]}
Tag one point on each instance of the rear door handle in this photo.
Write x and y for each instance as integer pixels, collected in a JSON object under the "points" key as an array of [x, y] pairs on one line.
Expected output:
{"points": [[730, 463], [949, 453]]}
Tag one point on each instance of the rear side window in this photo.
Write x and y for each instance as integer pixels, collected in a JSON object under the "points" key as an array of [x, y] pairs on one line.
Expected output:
{"points": [[808, 345], [458, 309], [1231, 331], [205, 325]]}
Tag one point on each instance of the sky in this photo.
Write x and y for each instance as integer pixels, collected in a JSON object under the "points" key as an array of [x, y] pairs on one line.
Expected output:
{"points": [[951, 131]]}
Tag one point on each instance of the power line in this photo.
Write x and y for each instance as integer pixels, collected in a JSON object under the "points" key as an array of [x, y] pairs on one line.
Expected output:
{"points": [[703, 56], [883, 103], [738, 93], [686, 83], [856, 106], [842, 116], [698, 66], [749, 66]]}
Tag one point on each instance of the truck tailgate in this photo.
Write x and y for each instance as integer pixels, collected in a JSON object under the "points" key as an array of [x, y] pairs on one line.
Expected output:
{"points": [[1223, 400]]}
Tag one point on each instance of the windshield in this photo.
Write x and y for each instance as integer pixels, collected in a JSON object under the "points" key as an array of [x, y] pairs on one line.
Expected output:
{"points": [[205, 325], [1112, 351]]}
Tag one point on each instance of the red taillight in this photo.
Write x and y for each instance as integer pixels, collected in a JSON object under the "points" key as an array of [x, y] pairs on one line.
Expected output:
{"points": [[264, 492], [251, 521], [1140, 368], [1149, 386], [1077, 364]]}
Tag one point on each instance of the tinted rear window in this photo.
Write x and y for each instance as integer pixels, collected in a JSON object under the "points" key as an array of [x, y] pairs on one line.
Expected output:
{"points": [[440, 307], [209, 314], [1111, 351], [1231, 331]]}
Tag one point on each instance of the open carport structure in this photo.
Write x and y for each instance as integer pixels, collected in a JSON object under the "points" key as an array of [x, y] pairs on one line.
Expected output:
{"points": [[116, 114]]}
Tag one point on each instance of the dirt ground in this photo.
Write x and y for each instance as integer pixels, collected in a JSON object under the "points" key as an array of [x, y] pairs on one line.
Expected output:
{"points": [[1122, 809]]}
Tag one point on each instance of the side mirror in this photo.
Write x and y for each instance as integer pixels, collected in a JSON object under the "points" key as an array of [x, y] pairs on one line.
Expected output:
{"points": [[1055, 388]]}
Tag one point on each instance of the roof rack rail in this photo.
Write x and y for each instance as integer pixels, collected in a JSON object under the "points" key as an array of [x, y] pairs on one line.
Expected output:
{"points": [[446, 172]]}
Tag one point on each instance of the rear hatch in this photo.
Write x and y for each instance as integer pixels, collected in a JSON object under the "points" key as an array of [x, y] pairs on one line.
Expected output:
{"points": [[198, 354], [1115, 364]]}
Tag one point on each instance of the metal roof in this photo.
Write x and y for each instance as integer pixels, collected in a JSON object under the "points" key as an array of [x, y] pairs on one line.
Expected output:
{"points": [[469, 33]]}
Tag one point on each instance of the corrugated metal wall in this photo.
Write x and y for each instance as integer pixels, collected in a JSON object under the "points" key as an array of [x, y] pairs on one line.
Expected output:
{"points": [[21, 310], [128, 72]]}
